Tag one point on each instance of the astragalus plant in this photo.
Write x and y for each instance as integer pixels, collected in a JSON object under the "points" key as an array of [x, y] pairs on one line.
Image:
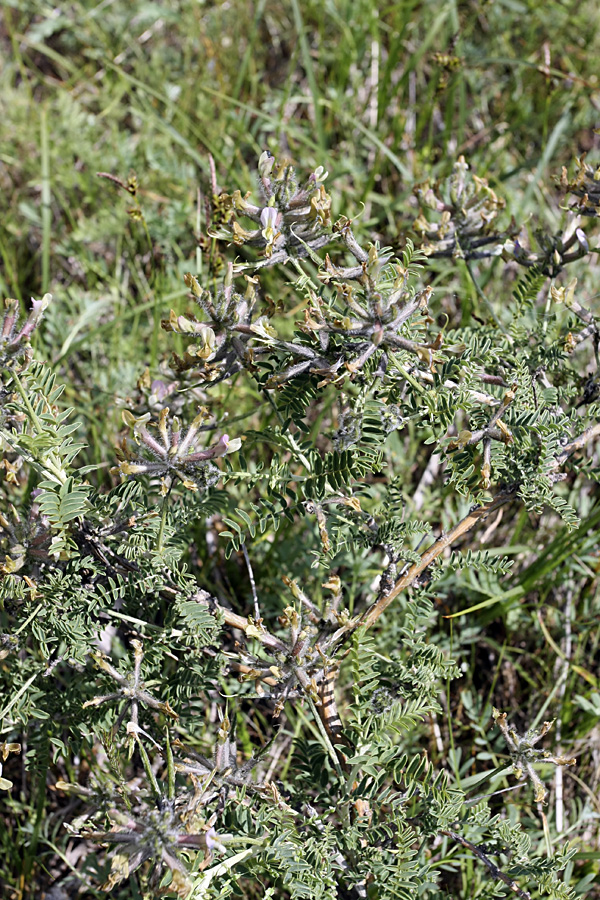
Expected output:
{"points": [[227, 673]]}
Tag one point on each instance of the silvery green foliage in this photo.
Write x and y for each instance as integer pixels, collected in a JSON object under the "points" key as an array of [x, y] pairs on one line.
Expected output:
{"points": [[120, 650]]}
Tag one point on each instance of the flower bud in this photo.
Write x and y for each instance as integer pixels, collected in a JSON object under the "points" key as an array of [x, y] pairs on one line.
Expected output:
{"points": [[265, 164], [582, 239]]}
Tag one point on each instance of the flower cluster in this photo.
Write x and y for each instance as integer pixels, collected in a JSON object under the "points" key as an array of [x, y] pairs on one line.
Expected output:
{"points": [[221, 344], [157, 825], [132, 691], [155, 829], [553, 253], [5, 749], [173, 455], [370, 319], [469, 209], [14, 340], [524, 753], [466, 228], [585, 185], [293, 219], [156, 832], [24, 537]]}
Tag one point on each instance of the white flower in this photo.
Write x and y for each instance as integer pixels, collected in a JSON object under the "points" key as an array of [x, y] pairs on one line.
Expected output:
{"points": [[320, 175], [268, 218], [264, 329]]}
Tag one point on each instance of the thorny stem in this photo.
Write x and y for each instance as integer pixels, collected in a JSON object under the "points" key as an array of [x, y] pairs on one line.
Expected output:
{"points": [[4, 712], [371, 615], [325, 736], [562, 678], [495, 872], [578, 443], [45, 465], [28, 619]]}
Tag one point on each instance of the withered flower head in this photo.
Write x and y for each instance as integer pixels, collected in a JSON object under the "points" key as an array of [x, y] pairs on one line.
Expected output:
{"points": [[14, 340]]}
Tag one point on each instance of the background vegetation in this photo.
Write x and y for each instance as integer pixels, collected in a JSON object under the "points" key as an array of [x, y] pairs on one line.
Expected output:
{"points": [[384, 97]]}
